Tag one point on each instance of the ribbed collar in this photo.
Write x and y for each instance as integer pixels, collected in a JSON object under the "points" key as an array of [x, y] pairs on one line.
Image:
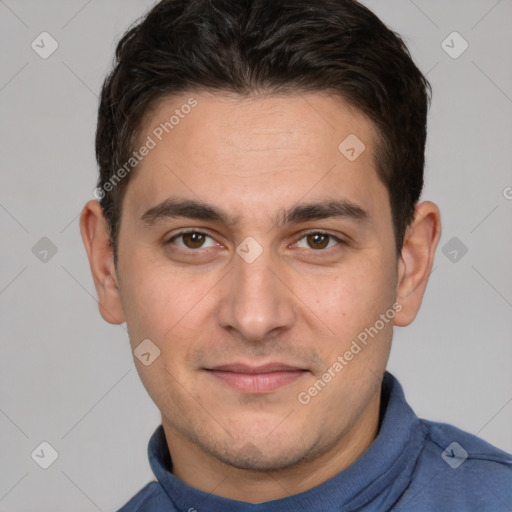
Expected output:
{"points": [[375, 480]]}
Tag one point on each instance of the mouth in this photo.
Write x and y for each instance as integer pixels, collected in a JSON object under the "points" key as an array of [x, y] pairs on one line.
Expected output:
{"points": [[257, 379]]}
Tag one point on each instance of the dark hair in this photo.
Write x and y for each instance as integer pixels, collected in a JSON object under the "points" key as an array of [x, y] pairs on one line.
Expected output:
{"points": [[267, 46]]}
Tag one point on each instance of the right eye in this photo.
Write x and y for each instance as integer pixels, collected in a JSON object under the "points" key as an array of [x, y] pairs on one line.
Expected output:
{"points": [[192, 240]]}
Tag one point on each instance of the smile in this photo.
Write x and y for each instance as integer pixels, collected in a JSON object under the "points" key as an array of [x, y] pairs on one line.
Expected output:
{"points": [[253, 379]]}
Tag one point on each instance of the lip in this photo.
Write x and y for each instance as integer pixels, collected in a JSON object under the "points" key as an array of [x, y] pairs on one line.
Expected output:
{"points": [[257, 379]]}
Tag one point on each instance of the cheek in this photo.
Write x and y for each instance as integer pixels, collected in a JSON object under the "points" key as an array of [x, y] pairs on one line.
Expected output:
{"points": [[349, 299], [167, 308], [156, 299]]}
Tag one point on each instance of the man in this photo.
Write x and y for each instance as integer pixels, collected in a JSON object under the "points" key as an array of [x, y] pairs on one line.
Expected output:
{"points": [[259, 230]]}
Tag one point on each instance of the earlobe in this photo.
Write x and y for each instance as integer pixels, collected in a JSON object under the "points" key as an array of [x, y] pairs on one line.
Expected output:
{"points": [[93, 228], [416, 260]]}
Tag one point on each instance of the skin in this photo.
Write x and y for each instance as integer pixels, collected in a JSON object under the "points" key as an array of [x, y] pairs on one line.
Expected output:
{"points": [[298, 303]]}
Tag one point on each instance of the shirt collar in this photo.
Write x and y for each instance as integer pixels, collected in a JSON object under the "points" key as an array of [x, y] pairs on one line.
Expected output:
{"points": [[378, 477]]}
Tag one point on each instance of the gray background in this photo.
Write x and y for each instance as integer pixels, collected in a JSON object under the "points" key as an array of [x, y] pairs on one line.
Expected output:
{"points": [[68, 378]]}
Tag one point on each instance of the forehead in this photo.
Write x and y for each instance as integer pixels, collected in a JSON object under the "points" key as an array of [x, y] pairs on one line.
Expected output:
{"points": [[254, 153]]}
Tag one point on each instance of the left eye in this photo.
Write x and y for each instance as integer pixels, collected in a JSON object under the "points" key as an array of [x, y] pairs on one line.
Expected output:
{"points": [[318, 240]]}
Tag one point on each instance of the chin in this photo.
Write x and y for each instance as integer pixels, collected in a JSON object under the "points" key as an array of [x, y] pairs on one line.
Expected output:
{"points": [[261, 452], [253, 458]]}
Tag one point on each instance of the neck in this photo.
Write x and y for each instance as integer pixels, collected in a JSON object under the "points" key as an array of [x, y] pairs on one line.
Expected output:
{"points": [[206, 473]]}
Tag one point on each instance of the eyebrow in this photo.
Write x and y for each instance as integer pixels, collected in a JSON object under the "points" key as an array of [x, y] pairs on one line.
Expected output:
{"points": [[174, 207]]}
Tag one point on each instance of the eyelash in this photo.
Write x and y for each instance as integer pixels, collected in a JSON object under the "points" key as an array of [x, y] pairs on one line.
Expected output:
{"points": [[208, 234]]}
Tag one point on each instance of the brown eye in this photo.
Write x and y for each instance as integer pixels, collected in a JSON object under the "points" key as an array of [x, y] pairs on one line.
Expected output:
{"points": [[318, 240], [192, 240]]}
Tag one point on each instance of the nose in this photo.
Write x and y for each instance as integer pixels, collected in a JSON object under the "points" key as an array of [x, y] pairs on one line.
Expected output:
{"points": [[256, 302]]}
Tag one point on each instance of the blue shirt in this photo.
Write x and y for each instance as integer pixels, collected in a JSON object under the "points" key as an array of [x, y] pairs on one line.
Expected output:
{"points": [[412, 465]]}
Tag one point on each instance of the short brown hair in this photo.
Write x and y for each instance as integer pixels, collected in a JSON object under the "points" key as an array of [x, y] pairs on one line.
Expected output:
{"points": [[268, 46]]}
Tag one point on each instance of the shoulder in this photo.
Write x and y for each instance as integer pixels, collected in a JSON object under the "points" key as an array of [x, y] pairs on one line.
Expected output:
{"points": [[150, 497], [457, 470], [457, 448]]}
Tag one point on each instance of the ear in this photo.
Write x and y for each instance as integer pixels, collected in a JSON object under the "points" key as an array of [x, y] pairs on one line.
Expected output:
{"points": [[416, 260], [93, 227]]}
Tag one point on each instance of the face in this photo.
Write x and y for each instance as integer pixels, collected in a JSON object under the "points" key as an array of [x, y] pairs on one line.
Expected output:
{"points": [[256, 291]]}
